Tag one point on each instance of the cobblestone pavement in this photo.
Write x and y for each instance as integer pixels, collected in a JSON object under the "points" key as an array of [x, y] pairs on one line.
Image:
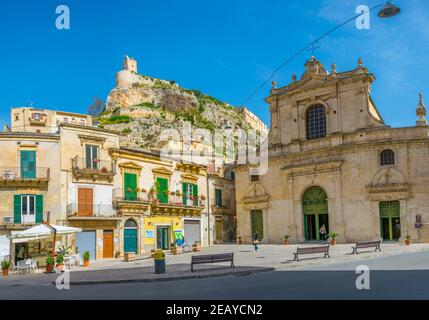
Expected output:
{"points": [[279, 257]]}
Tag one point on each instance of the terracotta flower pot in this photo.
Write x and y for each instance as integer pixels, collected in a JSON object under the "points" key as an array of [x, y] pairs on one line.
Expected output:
{"points": [[407, 242], [49, 268], [60, 267], [286, 242], [333, 242], [86, 263], [5, 272]]}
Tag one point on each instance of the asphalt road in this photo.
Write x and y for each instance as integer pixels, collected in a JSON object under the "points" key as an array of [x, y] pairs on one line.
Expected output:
{"points": [[396, 277]]}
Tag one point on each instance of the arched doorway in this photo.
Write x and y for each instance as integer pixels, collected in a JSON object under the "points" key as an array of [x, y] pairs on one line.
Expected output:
{"points": [[130, 236], [315, 208]]}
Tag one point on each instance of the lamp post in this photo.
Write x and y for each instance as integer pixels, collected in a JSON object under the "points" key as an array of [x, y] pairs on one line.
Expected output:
{"points": [[389, 10]]}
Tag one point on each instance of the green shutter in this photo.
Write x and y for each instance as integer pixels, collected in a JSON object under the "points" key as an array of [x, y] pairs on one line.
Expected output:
{"points": [[218, 194], [184, 190], [130, 185], [163, 186], [28, 164], [195, 194], [39, 208], [17, 209]]}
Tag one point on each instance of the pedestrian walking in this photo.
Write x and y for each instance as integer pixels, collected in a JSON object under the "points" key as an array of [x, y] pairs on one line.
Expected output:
{"points": [[256, 241]]}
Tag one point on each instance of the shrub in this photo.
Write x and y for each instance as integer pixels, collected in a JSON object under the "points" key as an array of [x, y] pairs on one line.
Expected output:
{"points": [[126, 130], [49, 260], [5, 264], [116, 120], [60, 259], [86, 256]]}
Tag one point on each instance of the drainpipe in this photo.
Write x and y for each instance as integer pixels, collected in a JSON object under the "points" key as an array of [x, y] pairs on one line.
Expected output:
{"points": [[208, 209]]}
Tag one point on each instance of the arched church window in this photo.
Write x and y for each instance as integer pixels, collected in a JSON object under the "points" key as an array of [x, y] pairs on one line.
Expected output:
{"points": [[387, 157], [316, 122]]}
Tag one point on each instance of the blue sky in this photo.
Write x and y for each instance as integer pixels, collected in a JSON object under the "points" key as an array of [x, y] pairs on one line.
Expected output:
{"points": [[223, 48]]}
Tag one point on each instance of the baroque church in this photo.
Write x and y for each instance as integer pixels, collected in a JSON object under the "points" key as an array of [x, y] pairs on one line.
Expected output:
{"points": [[334, 162]]}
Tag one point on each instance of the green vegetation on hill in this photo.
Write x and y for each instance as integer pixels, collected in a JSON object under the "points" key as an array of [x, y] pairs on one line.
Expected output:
{"points": [[115, 120]]}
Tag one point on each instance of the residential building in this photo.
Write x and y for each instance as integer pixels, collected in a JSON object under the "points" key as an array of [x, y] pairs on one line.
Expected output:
{"points": [[29, 119], [30, 186], [158, 199]]}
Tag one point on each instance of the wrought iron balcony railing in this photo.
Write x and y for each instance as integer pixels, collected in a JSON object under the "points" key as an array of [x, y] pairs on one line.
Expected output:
{"points": [[20, 173], [90, 210]]}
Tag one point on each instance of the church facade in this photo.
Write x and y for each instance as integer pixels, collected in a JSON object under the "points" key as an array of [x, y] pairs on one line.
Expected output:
{"points": [[333, 162]]}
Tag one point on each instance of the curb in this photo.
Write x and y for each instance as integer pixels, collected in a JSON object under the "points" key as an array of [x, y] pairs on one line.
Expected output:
{"points": [[197, 276]]}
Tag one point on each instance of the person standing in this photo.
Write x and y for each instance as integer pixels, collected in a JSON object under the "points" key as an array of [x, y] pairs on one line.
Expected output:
{"points": [[256, 241], [322, 232]]}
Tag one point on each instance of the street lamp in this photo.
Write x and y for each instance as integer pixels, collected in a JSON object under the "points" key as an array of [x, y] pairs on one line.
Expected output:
{"points": [[389, 10]]}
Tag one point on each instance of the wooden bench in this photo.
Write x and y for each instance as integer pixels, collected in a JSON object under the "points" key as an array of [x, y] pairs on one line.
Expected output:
{"points": [[311, 250], [366, 244], [213, 258]]}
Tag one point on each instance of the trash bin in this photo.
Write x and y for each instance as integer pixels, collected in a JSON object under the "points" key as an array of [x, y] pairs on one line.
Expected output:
{"points": [[159, 259]]}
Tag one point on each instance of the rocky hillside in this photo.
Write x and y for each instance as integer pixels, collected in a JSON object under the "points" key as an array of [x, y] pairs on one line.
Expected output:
{"points": [[142, 109]]}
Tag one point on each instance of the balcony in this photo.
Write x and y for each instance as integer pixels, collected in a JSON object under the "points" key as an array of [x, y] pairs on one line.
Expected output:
{"points": [[146, 202], [224, 208], [24, 177], [7, 219], [38, 121], [91, 211], [95, 170]]}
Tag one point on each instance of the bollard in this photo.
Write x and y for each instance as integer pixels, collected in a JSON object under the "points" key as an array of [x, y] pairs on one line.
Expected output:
{"points": [[159, 259]]}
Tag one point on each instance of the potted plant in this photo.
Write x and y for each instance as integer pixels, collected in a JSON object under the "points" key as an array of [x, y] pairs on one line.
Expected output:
{"points": [[49, 264], [407, 240], [86, 257], [60, 261], [5, 265], [240, 241], [286, 239], [175, 250], [104, 170], [143, 190], [136, 190], [333, 236], [196, 247], [129, 190]]}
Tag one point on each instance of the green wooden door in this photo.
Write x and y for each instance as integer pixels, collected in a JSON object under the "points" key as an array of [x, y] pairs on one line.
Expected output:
{"points": [[130, 185], [257, 223], [162, 190], [390, 220], [130, 240], [316, 214], [162, 238], [28, 164]]}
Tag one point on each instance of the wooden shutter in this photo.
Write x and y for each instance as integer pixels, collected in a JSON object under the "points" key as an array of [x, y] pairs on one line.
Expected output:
{"points": [[17, 209], [195, 194], [130, 185], [184, 190], [28, 164], [39, 208], [163, 186], [218, 194]]}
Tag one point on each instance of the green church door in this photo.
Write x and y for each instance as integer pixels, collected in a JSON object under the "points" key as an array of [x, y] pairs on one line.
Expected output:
{"points": [[315, 208], [390, 220], [257, 223], [130, 236]]}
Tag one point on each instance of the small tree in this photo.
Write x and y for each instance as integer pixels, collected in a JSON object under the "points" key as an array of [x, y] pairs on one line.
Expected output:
{"points": [[96, 107]]}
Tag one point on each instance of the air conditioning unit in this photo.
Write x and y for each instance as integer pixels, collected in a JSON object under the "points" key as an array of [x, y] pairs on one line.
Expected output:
{"points": [[7, 220], [8, 175]]}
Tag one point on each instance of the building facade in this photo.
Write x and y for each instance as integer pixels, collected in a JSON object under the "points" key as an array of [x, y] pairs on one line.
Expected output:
{"points": [[334, 162]]}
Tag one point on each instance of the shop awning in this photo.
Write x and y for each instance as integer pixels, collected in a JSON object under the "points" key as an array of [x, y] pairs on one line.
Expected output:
{"points": [[42, 231]]}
